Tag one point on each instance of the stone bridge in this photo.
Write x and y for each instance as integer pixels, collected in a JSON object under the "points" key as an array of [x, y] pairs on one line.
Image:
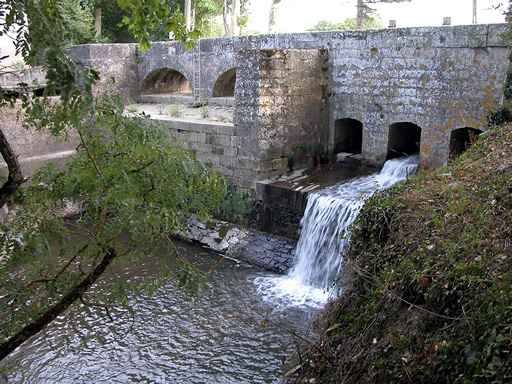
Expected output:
{"points": [[369, 95]]}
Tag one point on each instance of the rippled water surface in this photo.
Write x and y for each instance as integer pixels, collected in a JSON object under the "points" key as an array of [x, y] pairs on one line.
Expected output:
{"points": [[170, 337]]}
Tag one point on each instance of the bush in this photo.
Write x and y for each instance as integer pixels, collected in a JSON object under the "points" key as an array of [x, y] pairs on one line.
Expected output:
{"points": [[498, 116]]}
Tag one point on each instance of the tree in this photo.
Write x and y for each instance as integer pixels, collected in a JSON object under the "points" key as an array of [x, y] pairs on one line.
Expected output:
{"points": [[272, 15], [235, 16], [349, 23], [188, 14], [109, 16], [77, 20], [205, 11], [136, 186], [364, 10], [234, 13]]}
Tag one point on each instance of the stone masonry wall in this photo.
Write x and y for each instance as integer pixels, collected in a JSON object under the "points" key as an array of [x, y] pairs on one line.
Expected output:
{"points": [[34, 148], [117, 65], [274, 253], [293, 108], [438, 78], [214, 144]]}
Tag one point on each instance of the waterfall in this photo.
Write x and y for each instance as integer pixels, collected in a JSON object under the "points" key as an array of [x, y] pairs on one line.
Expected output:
{"points": [[328, 214], [324, 235]]}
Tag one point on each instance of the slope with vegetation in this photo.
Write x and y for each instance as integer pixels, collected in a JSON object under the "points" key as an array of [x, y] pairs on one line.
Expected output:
{"points": [[427, 280]]}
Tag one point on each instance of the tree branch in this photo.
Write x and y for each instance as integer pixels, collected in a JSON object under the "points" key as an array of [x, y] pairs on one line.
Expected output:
{"points": [[51, 313], [15, 178]]}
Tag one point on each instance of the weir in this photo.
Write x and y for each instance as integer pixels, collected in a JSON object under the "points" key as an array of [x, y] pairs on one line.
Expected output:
{"points": [[324, 234]]}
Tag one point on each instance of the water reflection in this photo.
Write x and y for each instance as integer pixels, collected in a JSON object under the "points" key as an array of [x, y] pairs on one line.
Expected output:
{"points": [[169, 337]]}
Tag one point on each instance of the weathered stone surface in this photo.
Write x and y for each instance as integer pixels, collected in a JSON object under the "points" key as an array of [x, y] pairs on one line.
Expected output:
{"points": [[292, 88], [267, 251], [34, 148]]}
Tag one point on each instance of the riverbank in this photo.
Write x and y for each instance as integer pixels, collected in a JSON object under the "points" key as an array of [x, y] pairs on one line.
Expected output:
{"points": [[427, 280]]}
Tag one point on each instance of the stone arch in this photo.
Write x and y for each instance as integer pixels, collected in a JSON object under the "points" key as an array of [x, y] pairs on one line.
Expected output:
{"points": [[348, 136], [165, 80], [403, 139], [461, 139], [225, 84]]}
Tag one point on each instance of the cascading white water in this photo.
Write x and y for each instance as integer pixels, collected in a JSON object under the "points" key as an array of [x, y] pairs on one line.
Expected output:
{"points": [[324, 234], [328, 214]]}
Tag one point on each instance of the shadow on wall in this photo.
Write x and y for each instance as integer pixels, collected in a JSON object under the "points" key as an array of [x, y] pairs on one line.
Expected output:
{"points": [[165, 80], [348, 136], [403, 139], [461, 139], [225, 84]]}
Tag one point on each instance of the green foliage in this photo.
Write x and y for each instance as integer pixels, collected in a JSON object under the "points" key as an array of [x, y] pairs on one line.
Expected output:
{"points": [[235, 202], [498, 116], [147, 15], [299, 147], [137, 184], [507, 86], [349, 23], [175, 111], [205, 111], [77, 22], [224, 119]]}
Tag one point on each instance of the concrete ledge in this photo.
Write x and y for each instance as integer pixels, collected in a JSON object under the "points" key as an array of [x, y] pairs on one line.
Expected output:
{"points": [[165, 98], [30, 164]]}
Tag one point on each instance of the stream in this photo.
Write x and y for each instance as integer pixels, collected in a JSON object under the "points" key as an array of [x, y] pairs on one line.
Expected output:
{"points": [[219, 336], [170, 337]]}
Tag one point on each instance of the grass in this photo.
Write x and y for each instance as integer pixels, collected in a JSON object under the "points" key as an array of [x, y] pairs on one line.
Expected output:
{"points": [[175, 111], [427, 280]]}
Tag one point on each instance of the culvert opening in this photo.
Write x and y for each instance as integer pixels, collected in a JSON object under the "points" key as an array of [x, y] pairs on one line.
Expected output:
{"points": [[165, 80], [403, 139], [225, 84], [461, 139], [348, 136]]}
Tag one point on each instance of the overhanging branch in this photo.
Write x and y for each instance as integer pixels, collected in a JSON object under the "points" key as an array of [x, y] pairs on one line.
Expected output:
{"points": [[51, 313], [15, 178]]}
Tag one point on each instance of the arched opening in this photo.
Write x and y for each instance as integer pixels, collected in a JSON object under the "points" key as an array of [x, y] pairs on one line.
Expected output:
{"points": [[8, 94], [225, 84], [348, 136], [403, 139], [461, 139], [165, 80]]}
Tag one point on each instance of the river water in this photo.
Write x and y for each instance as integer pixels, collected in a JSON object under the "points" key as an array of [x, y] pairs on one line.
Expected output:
{"points": [[218, 337], [170, 337]]}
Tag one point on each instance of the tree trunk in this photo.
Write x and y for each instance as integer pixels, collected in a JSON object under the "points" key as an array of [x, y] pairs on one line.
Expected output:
{"points": [[272, 15], [225, 16], [51, 313], [474, 12], [235, 16], [193, 19], [188, 14], [15, 178], [97, 21], [360, 14]]}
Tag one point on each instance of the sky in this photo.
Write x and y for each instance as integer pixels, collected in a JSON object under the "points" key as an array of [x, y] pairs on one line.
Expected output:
{"points": [[299, 15]]}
